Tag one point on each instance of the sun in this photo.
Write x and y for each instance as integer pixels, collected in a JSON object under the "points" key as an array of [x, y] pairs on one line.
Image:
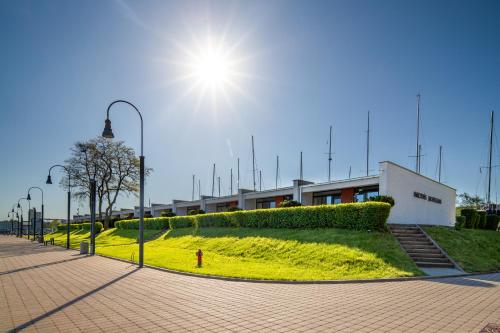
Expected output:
{"points": [[212, 67]]}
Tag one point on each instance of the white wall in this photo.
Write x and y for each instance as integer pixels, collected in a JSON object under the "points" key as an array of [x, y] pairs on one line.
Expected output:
{"points": [[401, 183]]}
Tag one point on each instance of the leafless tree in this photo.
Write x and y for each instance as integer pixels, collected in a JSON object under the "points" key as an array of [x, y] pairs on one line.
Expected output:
{"points": [[114, 167]]}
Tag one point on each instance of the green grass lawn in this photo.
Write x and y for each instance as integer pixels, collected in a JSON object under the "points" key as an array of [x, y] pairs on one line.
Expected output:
{"points": [[474, 250], [264, 253]]}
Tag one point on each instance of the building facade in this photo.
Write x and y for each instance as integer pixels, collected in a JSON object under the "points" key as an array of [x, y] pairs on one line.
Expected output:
{"points": [[418, 199]]}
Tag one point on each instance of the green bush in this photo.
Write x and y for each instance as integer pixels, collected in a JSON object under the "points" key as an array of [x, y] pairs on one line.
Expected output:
{"points": [[289, 203], [154, 223], [196, 212], [481, 222], [182, 222], [168, 214], [86, 226], [492, 222], [234, 209], [72, 227], [459, 222], [383, 198], [471, 217], [360, 216]]}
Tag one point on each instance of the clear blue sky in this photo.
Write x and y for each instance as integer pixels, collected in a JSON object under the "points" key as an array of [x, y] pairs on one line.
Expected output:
{"points": [[305, 66]]}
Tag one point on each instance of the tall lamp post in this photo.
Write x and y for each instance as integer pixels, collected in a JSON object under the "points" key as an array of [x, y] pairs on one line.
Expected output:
{"points": [[21, 226], [34, 224], [92, 183], [108, 133], [49, 181]]}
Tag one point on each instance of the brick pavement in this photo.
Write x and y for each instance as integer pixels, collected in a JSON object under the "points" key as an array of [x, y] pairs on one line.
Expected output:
{"points": [[50, 289]]}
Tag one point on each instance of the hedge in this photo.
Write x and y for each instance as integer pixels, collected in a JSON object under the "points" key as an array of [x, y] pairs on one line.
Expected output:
{"points": [[155, 223], [80, 226], [481, 221], [459, 222], [471, 217], [360, 216], [492, 222]]}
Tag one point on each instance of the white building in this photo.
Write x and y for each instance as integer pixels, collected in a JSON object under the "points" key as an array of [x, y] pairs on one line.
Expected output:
{"points": [[419, 199]]}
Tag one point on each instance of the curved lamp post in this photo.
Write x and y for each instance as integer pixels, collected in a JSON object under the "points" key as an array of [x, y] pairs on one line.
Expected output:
{"points": [[21, 226], [11, 214], [92, 184], [108, 133], [49, 181], [34, 223]]}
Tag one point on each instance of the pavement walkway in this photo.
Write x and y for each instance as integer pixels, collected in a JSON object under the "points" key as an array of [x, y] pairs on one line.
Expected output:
{"points": [[50, 289]]}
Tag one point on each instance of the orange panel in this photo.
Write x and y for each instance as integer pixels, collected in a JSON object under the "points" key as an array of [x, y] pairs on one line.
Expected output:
{"points": [[347, 195], [278, 200]]}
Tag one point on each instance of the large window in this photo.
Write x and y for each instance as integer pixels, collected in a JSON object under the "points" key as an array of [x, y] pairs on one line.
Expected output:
{"points": [[326, 198], [364, 194], [222, 207], [266, 203]]}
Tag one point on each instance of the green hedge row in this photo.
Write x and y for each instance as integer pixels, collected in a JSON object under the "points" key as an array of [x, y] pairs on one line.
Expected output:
{"points": [[360, 216], [80, 226], [475, 219]]}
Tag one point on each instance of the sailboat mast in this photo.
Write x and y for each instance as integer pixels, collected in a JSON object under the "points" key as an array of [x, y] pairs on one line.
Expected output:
{"points": [[192, 192], [417, 165], [368, 145], [253, 164], [490, 158], [301, 170], [213, 180], [277, 169], [330, 156], [440, 161], [238, 183], [260, 180], [231, 181]]}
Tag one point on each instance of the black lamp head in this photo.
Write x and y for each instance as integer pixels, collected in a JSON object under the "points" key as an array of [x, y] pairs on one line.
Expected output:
{"points": [[12, 210], [108, 132], [28, 197], [49, 180], [18, 205]]}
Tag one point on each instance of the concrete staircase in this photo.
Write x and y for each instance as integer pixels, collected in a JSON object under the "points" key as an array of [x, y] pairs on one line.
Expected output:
{"points": [[420, 248]]}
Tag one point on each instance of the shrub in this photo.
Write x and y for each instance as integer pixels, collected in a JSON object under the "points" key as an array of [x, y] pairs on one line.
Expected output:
{"points": [[362, 216], [196, 212], [383, 198], [72, 227], [98, 227], [492, 222], [168, 214], [481, 222], [459, 222], [181, 222], [471, 217], [289, 203], [234, 209], [148, 215], [154, 223]]}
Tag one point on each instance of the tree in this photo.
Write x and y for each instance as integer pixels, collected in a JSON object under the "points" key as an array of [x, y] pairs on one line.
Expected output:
{"points": [[470, 201], [114, 166]]}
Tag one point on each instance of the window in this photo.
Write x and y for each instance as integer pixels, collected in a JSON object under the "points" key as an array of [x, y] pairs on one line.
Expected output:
{"points": [[326, 198], [364, 194], [222, 207], [266, 203]]}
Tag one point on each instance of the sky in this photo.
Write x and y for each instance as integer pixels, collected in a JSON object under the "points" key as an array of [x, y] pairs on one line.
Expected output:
{"points": [[289, 70]]}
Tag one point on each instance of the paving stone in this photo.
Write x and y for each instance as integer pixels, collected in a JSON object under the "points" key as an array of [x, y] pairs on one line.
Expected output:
{"points": [[50, 289]]}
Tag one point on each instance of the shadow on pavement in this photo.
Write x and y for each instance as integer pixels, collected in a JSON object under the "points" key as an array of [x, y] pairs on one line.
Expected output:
{"points": [[38, 266], [471, 281], [67, 304]]}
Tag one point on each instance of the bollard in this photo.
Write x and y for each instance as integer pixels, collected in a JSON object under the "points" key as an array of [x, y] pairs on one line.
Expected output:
{"points": [[199, 254]]}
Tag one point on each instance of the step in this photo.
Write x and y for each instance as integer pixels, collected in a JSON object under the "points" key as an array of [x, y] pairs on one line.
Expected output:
{"points": [[427, 254], [416, 242], [406, 233], [436, 260], [421, 250], [434, 264], [416, 237], [406, 229]]}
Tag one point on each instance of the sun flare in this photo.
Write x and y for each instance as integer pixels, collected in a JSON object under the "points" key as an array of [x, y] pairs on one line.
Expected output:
{"points": [[212, 67]]}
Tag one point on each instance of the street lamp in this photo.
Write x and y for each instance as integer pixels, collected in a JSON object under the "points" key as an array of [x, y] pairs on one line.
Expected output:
{"points": [[34, 224], [108, 133], [83, 149], [21, 225], [49, 181]]}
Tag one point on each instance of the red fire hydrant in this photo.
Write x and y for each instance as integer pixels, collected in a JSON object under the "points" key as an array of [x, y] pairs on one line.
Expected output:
{"points": [[199, 254]]}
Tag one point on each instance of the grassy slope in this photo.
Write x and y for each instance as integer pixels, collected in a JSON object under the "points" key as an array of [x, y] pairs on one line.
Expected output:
{"points": [[275, 254], [474, 250]]}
